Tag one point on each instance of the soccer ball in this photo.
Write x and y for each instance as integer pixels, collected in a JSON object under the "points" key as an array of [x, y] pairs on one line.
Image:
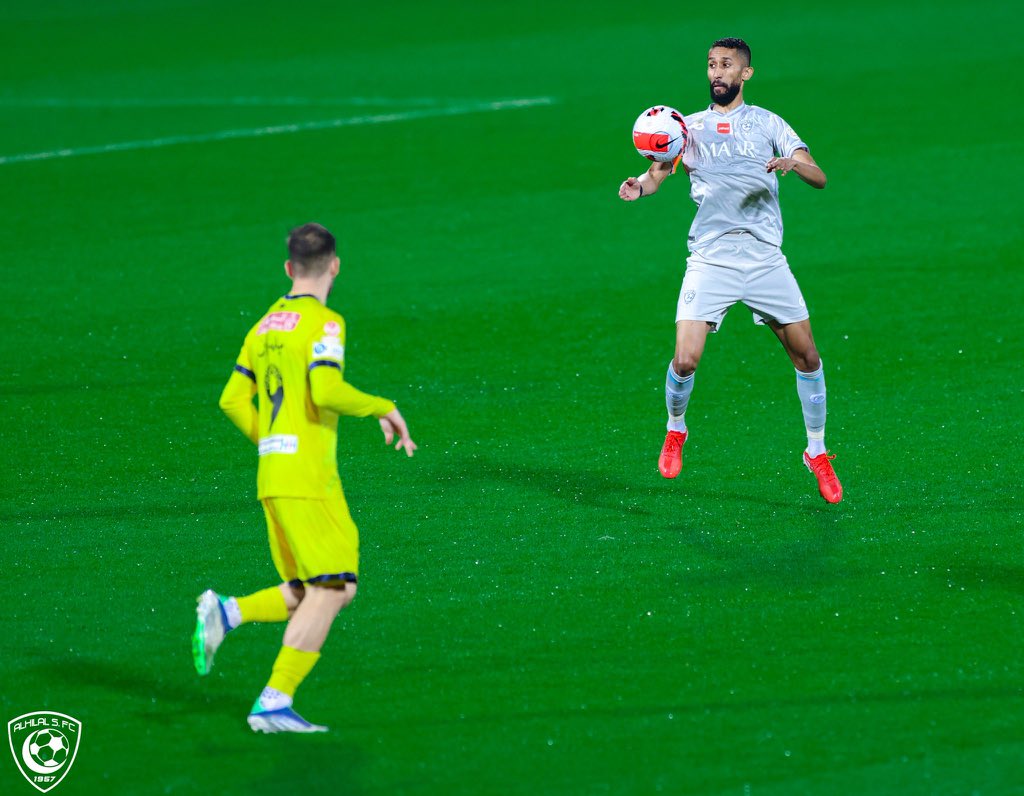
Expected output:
{"points": [[49, 748], [660, 134]]}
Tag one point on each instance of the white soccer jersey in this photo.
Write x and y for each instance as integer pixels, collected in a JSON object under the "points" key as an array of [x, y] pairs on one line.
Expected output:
{"points": [[725, 157]]}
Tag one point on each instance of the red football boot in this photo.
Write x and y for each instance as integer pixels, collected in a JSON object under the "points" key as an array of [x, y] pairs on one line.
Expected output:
{"points": [[671, 460], [828, 483]]}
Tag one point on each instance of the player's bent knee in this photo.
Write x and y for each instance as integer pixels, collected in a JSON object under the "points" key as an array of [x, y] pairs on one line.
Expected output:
{"points": [[297, 591], [807, 361], [685, 364]]}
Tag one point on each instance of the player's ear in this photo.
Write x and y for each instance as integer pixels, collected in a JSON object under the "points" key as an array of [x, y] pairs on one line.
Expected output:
{"points": [[335, 265], [288, 269], [747, 73]]}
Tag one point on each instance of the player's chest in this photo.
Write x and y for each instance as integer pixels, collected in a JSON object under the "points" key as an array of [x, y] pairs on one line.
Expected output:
{"points": [[728, 143]]}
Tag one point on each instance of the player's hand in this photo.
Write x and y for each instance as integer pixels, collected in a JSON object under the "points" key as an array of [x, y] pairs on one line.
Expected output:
{"points": [[393, 425], [781, 165], [630, 190]]}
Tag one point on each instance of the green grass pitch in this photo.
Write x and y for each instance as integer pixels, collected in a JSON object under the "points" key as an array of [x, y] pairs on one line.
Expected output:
{"points": [[539, 612]]}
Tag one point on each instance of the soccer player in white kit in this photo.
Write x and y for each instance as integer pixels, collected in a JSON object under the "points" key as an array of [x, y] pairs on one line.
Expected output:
{"points": [[733, 155]]}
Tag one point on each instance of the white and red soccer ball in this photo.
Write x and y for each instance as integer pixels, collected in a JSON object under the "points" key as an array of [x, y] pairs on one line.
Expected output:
{"points": [[660, 134]]}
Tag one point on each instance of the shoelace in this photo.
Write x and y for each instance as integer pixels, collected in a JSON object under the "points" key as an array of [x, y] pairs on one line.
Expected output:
{"points": [[673, 442], [819, 466]]}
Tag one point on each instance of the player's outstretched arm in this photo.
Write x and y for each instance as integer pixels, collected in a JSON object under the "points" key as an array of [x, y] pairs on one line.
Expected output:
{"points": [[646, 184], [329, 390], [801, 164], [393, 425]]}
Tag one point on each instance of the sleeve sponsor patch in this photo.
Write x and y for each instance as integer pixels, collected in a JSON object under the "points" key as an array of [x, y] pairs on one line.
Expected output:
{"points": [[329, 348], [279, 443]]}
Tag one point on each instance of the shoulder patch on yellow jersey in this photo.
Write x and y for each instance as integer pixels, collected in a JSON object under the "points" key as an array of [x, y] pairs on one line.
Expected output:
{"points": [[329, 348]]}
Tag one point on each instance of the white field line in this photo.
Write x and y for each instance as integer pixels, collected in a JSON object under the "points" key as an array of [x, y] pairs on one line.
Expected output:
{"points": [[219, 102], [282, 129]]}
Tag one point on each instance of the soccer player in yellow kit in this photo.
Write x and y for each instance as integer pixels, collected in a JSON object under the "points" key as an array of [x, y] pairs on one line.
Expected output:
{"points": [[293, 361]]}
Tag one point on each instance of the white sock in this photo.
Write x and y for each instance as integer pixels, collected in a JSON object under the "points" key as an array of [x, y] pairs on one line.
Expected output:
{"points": [[677, 397], [232, 612], [272, 699], [815, 447], [810, 387]]}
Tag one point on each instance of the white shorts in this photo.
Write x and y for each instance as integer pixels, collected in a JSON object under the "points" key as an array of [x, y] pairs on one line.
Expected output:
{"points": [[739, 267]]}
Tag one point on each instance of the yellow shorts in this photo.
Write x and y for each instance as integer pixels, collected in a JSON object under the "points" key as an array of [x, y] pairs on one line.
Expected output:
{"points": [[312, 541]]}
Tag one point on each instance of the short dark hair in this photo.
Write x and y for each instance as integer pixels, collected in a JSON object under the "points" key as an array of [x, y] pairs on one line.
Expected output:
{"points": [[310, 249], [732, 43]]}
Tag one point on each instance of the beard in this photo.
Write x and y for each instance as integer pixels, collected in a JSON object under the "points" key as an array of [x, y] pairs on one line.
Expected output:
{"points": [[728, 95]]}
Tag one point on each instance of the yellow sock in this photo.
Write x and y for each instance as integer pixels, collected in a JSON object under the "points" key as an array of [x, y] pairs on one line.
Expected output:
{"points": [[267, 605], [291, 668]]}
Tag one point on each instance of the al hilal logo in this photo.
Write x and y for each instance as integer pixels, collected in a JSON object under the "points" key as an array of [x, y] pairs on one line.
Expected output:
{"points": [[44, 745]]}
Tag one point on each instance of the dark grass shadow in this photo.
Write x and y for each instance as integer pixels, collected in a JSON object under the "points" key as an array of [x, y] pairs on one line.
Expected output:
{"points": [[182, 702], [699, 710], [143, 510], [587, 487], [167, 695], [660, 505], [611, 491], [997, 575], [649, 496], [788, 543], [977, 501], [792, 565], [614, 493], [303, 763], [749, 495]]}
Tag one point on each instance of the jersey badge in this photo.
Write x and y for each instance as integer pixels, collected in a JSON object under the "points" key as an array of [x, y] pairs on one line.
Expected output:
{"points": [[279, 443], [332, 328], [329, 348], [279, 322]]}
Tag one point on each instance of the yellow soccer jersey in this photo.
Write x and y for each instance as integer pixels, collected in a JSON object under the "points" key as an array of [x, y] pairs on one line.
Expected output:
{"points": [[293, 359]]}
